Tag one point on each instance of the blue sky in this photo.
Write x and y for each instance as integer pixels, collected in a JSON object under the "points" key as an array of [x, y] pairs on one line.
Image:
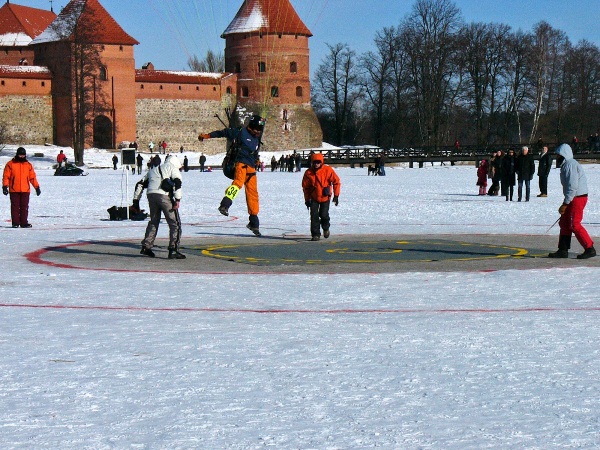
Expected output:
{"points": [[170, 31]]}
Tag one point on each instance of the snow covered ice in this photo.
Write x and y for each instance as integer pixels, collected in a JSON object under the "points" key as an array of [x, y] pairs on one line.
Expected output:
{"points": [[470, 360]]}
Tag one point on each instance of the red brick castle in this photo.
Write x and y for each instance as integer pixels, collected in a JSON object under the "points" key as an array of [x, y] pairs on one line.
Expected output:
{"points": [[267, 72]]}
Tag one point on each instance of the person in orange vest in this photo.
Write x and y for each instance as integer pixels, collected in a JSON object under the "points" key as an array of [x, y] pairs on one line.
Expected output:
{"points": [[319, 184], [18, 175]]}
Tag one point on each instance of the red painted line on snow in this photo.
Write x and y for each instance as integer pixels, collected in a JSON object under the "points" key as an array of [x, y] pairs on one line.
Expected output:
{"points": [[302, 311]]}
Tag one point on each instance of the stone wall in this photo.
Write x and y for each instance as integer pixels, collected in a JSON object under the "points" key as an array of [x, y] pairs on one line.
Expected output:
{"points": [[178, 122], [289, 127], [28, 119]]}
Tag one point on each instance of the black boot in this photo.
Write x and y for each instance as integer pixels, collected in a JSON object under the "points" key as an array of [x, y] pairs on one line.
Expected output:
{"points": [[564, 244], [147, 252], [224, 206], [174, 254], [588, 253]]}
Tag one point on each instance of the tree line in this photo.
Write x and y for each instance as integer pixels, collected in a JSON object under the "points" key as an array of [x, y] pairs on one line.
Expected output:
{"points": [[434, 80]]}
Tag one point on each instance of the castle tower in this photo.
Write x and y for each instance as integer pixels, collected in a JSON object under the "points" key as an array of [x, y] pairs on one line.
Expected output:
{"points": [[266, 45], [85, 45]]}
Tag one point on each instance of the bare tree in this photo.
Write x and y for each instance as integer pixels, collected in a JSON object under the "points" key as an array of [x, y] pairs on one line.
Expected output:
{"points": [[429, 41], [377, 67], [547, 49], [212, 62], [336, 89], [77, 34]]}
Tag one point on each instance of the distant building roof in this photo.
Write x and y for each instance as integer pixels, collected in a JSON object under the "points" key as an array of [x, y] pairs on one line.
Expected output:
{"points": [[90, 14], [20, 24], [267, 16], [168, 76], [36, 72]]}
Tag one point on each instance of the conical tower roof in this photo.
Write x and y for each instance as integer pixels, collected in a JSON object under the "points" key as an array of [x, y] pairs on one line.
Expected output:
{"points": [[267, 16], [90, 14], [20, 24]]}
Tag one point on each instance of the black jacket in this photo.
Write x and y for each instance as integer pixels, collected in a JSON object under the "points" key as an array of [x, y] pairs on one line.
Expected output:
{"points": [[545, 165], [525, 167]]}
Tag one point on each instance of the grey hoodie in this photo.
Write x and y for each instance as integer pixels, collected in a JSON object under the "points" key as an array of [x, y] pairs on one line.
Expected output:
{"points": [[572, 175]]}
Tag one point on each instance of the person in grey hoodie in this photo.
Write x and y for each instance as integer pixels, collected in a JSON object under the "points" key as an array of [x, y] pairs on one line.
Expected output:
{"points": [[575, 190]]}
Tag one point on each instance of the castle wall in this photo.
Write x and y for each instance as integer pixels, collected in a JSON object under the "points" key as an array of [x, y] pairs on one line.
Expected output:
{"points": [[178, 122], [28, 118]]}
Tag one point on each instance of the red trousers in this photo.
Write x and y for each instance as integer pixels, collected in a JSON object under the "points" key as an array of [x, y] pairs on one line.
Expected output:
{"points": [[19, 207], [570, 222]]}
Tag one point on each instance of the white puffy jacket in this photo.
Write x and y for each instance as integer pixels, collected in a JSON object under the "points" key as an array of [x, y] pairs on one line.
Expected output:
{"points": [[168, 169]]}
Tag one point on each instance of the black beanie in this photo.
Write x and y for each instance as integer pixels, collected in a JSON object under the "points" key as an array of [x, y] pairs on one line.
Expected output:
{"points": [[21, 151]]}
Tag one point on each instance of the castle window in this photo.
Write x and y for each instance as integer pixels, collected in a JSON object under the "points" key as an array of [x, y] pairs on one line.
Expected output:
{"points": [[24, 83], [43, 83], [262, 67], [274, 91], [228, 89], [279, 35], [141, 86], [214, 89], [179, 87], [2, 83], [120, 48], [197, 88], [160, 87], [298, 91], [293, 67], [238, 68], [244, 91], [103, 74]]}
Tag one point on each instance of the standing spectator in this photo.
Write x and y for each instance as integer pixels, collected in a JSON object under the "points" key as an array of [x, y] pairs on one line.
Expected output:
{"points": [[495, 169], [298, 161], [382, 164], [456, 146], [164, 147], [60, 158], [162, 202], [186, 166], [543, 171], [181, 149], [151, 146], [319, 183], [115, 160], [509, 167], [273, 163], [482, 176], [525, 172], [139, 160], [202, 162], [575, 144], [575, 190], [248, 142], [18, 175]]}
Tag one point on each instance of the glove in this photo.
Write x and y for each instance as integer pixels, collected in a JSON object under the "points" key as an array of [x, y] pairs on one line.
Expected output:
{"points": [[203, 136], [307, 203], [562, 209], [38, 191], [336, 200], [136, 204], [5, 190]]}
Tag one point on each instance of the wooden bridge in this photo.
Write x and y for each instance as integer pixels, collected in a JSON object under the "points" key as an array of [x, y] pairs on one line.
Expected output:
{"points": [[365, 155]]}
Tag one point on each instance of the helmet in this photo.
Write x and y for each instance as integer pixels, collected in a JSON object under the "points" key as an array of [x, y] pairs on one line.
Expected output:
{"points": [[256, 123]]}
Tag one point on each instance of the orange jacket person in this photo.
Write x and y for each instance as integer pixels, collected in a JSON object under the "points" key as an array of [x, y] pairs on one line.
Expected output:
{"points": [[319, 183], [247, 141], [18, 175]]}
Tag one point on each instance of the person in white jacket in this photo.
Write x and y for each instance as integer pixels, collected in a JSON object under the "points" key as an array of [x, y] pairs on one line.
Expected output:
{"points": [[163, 184]]}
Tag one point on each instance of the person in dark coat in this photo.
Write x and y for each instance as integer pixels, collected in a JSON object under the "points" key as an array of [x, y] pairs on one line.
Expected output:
{"points": [[139, 160], [509, 170], [543, 171], [525, 171], [495, 170], [115, 160], [202, 161], [186, 164]]}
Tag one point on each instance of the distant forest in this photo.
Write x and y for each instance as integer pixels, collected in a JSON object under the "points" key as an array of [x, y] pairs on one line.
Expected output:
{"points": [[434, 79]]}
